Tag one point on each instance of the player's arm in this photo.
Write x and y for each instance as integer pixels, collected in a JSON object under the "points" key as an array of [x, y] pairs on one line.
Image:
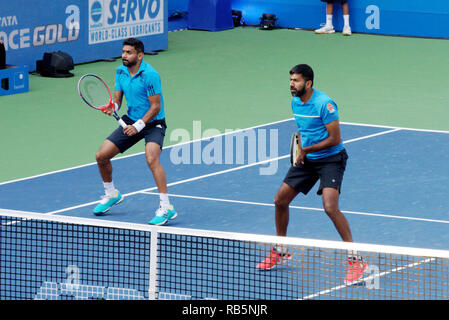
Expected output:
{"points": [[118, 98], [155, 103], [334, 138]]}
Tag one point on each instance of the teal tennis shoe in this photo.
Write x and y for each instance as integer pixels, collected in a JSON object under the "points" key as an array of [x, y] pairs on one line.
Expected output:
{"points": [[163, 216], [107, 202]]}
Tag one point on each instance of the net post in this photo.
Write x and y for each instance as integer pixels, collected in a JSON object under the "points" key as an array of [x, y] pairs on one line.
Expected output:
{"points": [[153, 266]]}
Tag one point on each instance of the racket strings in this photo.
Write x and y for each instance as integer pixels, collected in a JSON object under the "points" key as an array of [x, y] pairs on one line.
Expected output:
{"points": [[95, 92]]}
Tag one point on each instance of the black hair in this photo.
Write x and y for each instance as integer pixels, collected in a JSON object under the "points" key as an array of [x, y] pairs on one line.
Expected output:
{"points": [[304, 70], [136, 43]]}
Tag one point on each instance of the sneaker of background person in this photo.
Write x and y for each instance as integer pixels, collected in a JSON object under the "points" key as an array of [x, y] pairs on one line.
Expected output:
{"points": [[325, 29]]}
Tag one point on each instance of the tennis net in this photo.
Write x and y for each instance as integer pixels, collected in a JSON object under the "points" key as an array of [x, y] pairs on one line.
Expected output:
{"points": [[60, 257]]}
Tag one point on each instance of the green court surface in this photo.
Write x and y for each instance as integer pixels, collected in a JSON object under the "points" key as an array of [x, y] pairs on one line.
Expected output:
{"points": [[229, 80]]}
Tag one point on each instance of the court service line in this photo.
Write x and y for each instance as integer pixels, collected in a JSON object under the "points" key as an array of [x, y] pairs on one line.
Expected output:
{"points": [[176, 183], [381, 215], [141, 153], [197, 140], [390, 127], [213, 174], [215, 136]]}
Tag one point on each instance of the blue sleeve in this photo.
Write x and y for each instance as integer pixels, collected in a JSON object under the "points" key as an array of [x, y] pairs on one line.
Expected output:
{"points": [[329, 112], [153, 84]]}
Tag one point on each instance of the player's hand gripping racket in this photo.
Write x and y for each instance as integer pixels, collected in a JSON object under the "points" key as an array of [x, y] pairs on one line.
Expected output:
{"points": [[95, 92], [294, 149]]}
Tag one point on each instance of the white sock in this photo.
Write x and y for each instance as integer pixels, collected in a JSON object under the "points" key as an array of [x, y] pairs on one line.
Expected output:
{"points": [[346, 19], [353, 255], [282, 249], [109, 188], [329, 20], [164, 202]]}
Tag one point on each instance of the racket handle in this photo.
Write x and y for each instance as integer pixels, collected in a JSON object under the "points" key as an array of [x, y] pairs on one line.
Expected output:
{"points": [[122, 123]]}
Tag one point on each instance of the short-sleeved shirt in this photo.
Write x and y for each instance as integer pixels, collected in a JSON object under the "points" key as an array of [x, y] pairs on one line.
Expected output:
{"points": [[311, 118], [145, 83]]}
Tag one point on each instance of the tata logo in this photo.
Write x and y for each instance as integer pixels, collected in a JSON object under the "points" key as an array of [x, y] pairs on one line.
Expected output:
{"points": [[96, 11], [121, 11]]}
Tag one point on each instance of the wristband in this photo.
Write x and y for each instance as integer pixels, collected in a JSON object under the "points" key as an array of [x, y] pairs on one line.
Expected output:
{"points": [[139, 125], [116, 107]]}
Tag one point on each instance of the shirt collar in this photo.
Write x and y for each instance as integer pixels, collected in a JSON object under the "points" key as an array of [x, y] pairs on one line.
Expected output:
{"points": [[298, 100], [142, 67]]}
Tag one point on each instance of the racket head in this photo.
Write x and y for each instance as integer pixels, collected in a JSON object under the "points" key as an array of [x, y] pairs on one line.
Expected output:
{"points": [[94, 91], [294, 149]]}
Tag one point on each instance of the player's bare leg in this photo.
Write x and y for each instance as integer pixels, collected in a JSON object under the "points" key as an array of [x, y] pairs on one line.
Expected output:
{"points": [[330, 204], [166, 212], [153, 152], [356, 265], [282, 200], [107, 151], [112, 196], [279, 253]]}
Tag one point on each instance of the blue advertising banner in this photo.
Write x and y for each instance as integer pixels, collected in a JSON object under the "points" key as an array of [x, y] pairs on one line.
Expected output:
{"points": [[88, 30], [391, 17]]}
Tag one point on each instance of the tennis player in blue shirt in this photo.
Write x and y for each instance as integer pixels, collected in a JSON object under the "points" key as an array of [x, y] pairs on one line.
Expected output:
{"points": [[141, 85], [321, 157]]}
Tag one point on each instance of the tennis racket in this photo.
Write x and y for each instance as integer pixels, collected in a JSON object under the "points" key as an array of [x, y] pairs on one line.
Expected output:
{"points": [[294, 149], [96, 94]]}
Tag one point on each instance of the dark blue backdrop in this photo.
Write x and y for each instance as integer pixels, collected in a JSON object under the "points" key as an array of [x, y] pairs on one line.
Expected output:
{"points": [[88, 30], [393, 17]]}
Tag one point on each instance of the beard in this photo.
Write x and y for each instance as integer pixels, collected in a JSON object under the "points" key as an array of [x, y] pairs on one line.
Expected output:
{"points": [[128, 63], [298, 93]]}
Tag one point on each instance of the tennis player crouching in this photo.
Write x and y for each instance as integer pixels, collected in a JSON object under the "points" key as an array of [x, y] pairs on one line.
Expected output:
{"points": [[141, 85], [321, 157]]}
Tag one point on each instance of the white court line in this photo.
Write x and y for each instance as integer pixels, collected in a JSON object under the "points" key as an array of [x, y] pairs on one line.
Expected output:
{"points": [[369, 278], [177, 182], [300, 207], [213, 174], [391, 127], [140, 153], [211, 137], [371, 135]]}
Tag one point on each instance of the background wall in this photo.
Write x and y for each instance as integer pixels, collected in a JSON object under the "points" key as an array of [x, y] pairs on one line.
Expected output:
{"points": [[177, 5], [87, 30], [393, 17]]}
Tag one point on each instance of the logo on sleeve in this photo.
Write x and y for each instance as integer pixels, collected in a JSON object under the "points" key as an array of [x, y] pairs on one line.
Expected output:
{"points": [[330, 107]]}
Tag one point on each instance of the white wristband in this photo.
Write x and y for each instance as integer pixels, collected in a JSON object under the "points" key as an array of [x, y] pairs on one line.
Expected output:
{"points": [[139, 125]]}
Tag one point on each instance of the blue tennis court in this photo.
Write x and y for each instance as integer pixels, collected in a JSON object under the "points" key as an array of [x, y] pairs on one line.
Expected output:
{"points": [[222, 181], [391, 195], [393, 191]]}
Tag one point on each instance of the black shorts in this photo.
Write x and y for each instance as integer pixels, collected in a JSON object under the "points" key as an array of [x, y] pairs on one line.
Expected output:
{"points": [[153, 132], [328, 170], [335, 1]]}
